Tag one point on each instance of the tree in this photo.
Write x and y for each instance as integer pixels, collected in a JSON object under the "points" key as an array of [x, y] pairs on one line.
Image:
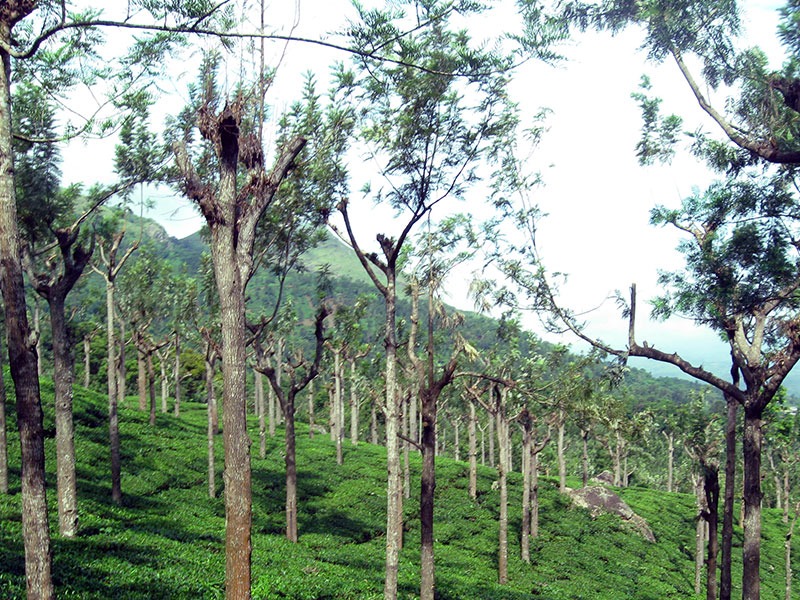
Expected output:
{"points": [[429, 128]]}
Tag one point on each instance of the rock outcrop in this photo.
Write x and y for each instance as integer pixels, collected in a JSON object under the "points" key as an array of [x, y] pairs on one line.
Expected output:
{"points": [[598, 500]]}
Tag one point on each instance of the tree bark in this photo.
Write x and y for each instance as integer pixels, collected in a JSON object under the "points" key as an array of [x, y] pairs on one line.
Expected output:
{"points": [[311, 409], [751, 544], [211, 430], [427, 489], [700, 536], [65, 430], [711, 488], [502, 443], [473, 454], [151, 386], [562, 461], [725, 585], [87, 364], [527, 425], [177, 376], [113, 417], [354, 404], [21, 347], [585, 457]]}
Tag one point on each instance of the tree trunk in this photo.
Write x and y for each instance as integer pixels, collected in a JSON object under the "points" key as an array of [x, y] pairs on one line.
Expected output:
{"points": [[373, 424], [727, 505], [535, 495], [491, 443], [711, 487], [151, 386], [502, 443], [526, 486], [786, 489], [212, 426], [473, 457], [141, 367], [260, 410], [291, 470], [353, 404], [237, 475], [65, 430], [337, 404], [405, 444], [164, 385], [585, 457], [427, 489], [562, 461], [311, 409], [751, 544], [272, 406], [3, 431], [670, 437], [121, 372], [394, 482], [22, 356], [177, 408], [87, 363], [113, 417], [700, 536]]}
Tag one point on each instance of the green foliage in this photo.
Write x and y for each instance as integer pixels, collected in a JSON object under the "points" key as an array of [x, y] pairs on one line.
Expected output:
{"points": [[167, 539]]}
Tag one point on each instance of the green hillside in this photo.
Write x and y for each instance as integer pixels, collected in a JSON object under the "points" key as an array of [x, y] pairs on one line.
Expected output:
{"points": [[167, 540]]}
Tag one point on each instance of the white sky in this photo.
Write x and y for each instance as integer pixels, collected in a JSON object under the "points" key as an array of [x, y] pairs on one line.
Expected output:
{"points": [[596, 196]]}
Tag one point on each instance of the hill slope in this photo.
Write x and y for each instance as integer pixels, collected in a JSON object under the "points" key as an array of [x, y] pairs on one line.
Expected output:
{"points": [[167, 540]]}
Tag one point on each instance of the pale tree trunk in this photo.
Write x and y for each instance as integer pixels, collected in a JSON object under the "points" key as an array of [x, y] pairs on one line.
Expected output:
{"points": [[164, 384], [260, 410], [3, 429], [427, 489], [373, 424], [700, 536], [87, 364], [177, 376], [560, 449], [211, 414], [725, 584], [483, 445], [354, 404], [788, 553], [151, 387], [311, 409], [113, 417], [786, 488], [491, 443], [585, 457], [473, 458], [525, 552], [121, 372], [670, 437], [502, 465], [22, 354], [37, 328], [332, 411], [141, 366], [535, 492], [456, 453], [337, 425], [406, 465]]}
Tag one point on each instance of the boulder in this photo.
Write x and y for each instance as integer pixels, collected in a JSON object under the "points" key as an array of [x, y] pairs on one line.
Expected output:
{"points": [[598, 500]]}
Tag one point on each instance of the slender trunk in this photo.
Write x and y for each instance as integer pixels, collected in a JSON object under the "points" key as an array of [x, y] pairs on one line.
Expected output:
{"points": [[473, 458], [526, 487], [87, 364], [502, 559], [788, 555], [406, 465], [751, 544], [776, 480], [585, 457], [670, 437], [3, 430], [151, 387], [535, 495], [63, 375], [260, 410], [427, 489], [786, 489], [311, 409], [394, 487], [562, 461], [22, 358], [141, 372], [291, 470], [373, 424], [353, 404], [337, 404], [700, 535], [491, 443], [113, 417], [727, 505], [456, 442], [164, 385], [711, 486], [212, 426], [121, 373], [332, 410], [37, 328], [483, 446], [177, 376], [272, 403]]}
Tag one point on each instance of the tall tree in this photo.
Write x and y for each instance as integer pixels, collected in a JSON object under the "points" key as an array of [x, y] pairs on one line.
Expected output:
{"points": [[428, 128]]}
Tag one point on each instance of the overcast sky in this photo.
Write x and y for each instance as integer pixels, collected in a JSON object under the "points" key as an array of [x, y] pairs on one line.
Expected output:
{"points": [[596, 196]]}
